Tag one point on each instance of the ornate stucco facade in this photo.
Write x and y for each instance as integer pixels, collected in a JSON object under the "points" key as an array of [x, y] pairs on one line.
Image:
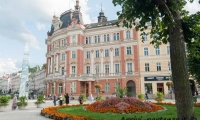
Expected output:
{"points": [[81, 55]]}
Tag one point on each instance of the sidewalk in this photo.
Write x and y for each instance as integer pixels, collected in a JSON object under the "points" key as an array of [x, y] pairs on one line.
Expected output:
{"points": [[33, 113]]}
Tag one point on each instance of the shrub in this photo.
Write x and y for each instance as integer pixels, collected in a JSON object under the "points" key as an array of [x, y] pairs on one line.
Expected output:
{"points": [[22, 101], [100, 98], [121, 92], [141, 96], [40, 99], [83, 97], [4, 100], [159, 97]]}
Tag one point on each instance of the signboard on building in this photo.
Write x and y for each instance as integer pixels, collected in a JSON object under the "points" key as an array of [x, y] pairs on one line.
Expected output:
{"points": [[156, 78], [26, 86]]}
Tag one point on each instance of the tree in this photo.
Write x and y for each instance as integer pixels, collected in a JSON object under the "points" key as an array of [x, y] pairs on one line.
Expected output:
{"points": [[43, 66], [167, 19]]}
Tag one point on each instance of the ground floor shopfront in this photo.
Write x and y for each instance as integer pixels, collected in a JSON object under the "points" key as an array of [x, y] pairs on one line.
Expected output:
{"points": [[153, 84], [79, 86]]}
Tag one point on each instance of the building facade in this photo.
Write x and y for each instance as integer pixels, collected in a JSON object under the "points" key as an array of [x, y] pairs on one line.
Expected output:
{"points": [[155, 66], [15, 82], [5, 83], [81, 55]]}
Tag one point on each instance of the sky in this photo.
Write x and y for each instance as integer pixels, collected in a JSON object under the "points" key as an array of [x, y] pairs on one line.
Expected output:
{"points": [[29, 21]]}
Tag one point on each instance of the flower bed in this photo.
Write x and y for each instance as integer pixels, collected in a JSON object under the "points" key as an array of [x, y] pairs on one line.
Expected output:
{"points": [[169, 103], [125, 105], [52, 113]]}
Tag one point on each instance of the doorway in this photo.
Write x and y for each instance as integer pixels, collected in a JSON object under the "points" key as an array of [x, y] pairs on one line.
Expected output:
{"points": [[131, 89], [160, 87]]}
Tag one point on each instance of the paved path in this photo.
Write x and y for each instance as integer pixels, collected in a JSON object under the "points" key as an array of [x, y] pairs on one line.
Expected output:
{"points": [[33, 113]]}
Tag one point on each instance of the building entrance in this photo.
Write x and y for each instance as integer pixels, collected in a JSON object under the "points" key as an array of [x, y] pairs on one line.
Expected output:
{"points": [[160, 87], [131, 89]]}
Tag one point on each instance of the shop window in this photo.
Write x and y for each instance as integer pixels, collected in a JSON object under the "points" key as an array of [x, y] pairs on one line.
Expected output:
{"points": [[148, 88]]}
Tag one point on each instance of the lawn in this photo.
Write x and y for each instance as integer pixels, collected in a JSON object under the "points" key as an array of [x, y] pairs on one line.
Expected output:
{"points": [[169, 113]]}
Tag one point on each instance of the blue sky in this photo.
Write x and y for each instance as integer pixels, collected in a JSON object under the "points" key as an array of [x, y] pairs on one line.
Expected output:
{"points": [[29, 20]]}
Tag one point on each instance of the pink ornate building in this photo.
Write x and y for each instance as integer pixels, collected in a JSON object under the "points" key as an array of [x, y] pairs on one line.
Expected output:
{"points": [[80, 55]]}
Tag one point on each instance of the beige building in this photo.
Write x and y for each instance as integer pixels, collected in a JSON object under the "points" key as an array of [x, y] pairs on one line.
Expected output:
{"points": [[155, 66]]}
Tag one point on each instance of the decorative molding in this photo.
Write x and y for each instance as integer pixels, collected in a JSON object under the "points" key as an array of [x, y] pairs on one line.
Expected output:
{"points": [[101, 50], [129, 59], [111, 49], [92, 51]]}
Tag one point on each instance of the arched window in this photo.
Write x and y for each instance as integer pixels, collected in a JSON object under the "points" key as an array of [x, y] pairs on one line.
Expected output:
{"points": [[95, 39], [98, 39], [117, 36], [114, 36], [104, 38], [60, 88], [86, 40], [128, 34], [108, 37]]}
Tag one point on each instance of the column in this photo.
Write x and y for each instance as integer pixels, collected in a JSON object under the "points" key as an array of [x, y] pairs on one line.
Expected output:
{"points": [[51, 65], [92, 62], [64, 88], [101, 55], [111, 60], [89, 88], [54, 84]]}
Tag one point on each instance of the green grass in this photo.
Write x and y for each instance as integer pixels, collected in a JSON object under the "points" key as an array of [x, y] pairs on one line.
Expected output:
{"points": [[169, 113]]}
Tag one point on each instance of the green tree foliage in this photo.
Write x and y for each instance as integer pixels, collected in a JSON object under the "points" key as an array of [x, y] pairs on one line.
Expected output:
{"points": [[32, 70], [169, 23], [194, 66], [43, 66]]}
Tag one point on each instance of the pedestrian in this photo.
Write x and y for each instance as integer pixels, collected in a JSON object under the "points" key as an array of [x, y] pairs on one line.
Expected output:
{"points": [[54, 99], [146, 97], [80, 99], [14, 104], [91, 99], [67, 98], [61, 99]]}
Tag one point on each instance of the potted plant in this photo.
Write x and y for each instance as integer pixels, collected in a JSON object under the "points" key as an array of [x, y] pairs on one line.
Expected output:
{"points": [[4, 102], [40, 101], [169, 84], [141, 97], [159, 97], [121, 92], [22, 103], [83, 97]]}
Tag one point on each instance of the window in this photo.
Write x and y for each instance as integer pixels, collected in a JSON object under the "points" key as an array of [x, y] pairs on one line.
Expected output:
{"points": [[89, 40], [148, 88], [73, 87], [116, 68], [97, 69], [63, 71], [157, 51], [158, 66], [73, 54], [168, 50], [60, 88], [73, 69], [98, 39], [146, 52], [128, 34], [106, 53], [95, 39], [97, 54], [108, 37], [128, 50], [145, 37], [169, 65], [63, 42], [88, 54], [146, 67], [129, 67], [117, 85], [63, 56], [104, 38], [107, 69], [52, 89], [88, 69], [117, 36], [73, 39], [86, 40], [116, 51], [107, 88]]}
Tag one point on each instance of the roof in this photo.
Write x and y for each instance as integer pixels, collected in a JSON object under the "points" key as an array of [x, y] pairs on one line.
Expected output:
{"points": [[101, 24]]}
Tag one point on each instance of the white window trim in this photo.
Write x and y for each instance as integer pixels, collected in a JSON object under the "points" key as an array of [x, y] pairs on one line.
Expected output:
{"points": [[144, 50], [115, 68], [127, 66], [71, 69], [131, 50], [105, 68], [130, 34], [159, 51], [167, 50], [118, 50]]}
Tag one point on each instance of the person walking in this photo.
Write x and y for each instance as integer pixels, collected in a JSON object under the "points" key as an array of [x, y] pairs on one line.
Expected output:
{"points": [[54, 99], [91, 99], [14, 104], [67, 98], [80, 99], [146, 97], [61, 100]]}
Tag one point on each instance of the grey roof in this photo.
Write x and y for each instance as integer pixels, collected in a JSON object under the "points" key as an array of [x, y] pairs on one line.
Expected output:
{"points": [[101, 24]]}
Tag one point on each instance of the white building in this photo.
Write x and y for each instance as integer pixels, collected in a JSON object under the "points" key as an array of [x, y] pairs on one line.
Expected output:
{"points": [[5, 83], [15, 82]]}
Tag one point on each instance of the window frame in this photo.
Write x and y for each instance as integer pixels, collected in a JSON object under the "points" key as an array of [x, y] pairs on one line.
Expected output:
{"points": [[129, 51], [147, 69], [146, 51], [158, 66]]}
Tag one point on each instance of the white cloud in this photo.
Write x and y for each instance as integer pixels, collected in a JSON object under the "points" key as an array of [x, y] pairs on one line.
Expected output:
{"points": [[8, 66], [40, 26], [31, 39]]}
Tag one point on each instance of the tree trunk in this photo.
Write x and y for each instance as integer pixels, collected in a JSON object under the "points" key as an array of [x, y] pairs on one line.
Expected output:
{"points": [[183, 96]]}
